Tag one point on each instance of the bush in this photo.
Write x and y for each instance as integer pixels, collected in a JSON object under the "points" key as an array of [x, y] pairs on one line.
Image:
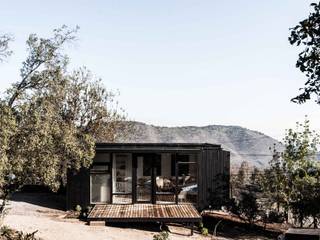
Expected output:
{"points": [[200, 226], [164, 235], [276, 217], [204, 231], [78, 208], [7, 233]]}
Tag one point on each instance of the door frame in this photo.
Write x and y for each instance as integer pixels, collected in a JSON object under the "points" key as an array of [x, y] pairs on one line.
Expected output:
{"points": [[152, 158]]}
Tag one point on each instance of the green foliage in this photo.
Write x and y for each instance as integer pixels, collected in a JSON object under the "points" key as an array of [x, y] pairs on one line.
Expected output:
{"points": [[78, 208], [275, 217], [4, 46], [7, 233], [51, 118], [219, 195], [163, 235], [204, 231], [293, 180], [246, 205], [200, 225], [307, 34]]}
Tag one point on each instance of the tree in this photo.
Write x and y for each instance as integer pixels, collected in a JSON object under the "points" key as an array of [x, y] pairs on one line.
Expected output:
{"points": [[293, 178], [51, 118], [4, 46], [307, 34], [275, 182]]}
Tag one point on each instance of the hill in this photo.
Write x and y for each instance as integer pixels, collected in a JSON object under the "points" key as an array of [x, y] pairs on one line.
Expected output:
{"points": [[244, 144]]}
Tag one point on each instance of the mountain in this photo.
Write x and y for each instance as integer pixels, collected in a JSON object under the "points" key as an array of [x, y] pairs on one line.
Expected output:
{"points": [[244, 144]]}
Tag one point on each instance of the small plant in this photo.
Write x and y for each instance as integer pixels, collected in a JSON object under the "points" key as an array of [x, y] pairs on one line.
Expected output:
{"points": [[200, 226], [163, 235], [78, 208], [204, 231], [7, 233], [85, 212], [88, 209], [276, 217]]}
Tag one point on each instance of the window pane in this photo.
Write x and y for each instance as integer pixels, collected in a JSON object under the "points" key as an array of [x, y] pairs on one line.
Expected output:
{"points": [[165, 181], [122, 199], [100, 167], [144, 183], [100, 188], [102, 157], [122, 173], [187, 179], [183, 169]]}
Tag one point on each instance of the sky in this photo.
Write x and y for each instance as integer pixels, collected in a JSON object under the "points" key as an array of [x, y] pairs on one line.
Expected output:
{"points": [[179, 62]]}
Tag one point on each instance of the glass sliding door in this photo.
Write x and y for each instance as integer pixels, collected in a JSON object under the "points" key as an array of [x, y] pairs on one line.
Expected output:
{"points": [[122, 178], [100, 188], [100, 179], [165, 181], [186, 165], [144, 178]]}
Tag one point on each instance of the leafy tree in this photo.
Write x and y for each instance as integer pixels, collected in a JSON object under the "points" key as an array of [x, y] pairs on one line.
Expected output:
{"points": [[275, 182], [293, 179], [240, 179], [246, 205], [304, 172], [219, 196], [307, 34], [51, 118], [4, 46]]}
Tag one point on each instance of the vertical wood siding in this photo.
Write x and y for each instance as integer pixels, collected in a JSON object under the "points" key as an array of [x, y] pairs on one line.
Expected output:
{"points": [[78, 189], [214, 166]]}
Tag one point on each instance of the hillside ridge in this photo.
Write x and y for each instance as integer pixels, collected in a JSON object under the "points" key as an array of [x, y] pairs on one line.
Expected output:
{"points": [[244, 144]]}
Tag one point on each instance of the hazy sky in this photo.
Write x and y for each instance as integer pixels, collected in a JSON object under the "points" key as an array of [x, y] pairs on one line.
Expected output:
{"points": [[179, 62]]}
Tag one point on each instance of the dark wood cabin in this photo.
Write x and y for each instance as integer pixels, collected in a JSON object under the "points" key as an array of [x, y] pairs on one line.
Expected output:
{"points": [[151, 173]]}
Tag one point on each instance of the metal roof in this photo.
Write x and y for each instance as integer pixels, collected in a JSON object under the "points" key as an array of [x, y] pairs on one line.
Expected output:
{"points": [[162, 147]]}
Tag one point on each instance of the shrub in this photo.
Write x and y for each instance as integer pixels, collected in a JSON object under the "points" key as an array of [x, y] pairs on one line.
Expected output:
{"points": [[204, 231], [7, 233], [164, 235], [276, 217], [78, 208]]}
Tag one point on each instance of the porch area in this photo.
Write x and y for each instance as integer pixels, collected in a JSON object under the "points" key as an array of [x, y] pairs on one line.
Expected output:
{"points": [[163, 213]]}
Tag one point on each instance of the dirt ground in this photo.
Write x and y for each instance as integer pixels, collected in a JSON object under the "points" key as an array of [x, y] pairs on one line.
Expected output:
{"points": [[33, 211], [43, 212]]}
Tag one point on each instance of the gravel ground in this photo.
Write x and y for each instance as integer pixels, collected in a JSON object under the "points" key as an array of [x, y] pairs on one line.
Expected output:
{"points": [[31, 212]]}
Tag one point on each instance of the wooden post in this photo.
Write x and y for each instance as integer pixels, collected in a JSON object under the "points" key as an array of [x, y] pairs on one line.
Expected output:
{"points": [[134, 177], [177, 176], [111, 176], [192, 226]]}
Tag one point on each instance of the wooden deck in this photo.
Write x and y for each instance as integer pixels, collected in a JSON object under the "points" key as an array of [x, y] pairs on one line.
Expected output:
{"points": [[183, 213]]}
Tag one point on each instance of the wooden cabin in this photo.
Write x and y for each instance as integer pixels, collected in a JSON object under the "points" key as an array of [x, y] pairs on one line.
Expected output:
{"points": [[150, 176]]}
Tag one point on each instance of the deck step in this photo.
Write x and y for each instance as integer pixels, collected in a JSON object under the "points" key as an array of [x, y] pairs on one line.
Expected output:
{"points": [[97, 223]]}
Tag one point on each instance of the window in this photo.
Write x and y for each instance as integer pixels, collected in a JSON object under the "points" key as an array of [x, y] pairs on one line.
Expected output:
{"points": [[148, 162], [100, 167], [183, 168], [100, 187], [122, 178], [165, 183], [102, 158]]}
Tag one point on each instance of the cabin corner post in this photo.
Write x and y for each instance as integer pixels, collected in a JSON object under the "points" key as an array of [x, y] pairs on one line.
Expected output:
{"points": [[111, 176], [176, 177], [134, 178]]}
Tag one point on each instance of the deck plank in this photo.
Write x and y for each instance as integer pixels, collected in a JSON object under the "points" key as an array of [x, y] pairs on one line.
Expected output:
{"points": [[144, 212]]}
